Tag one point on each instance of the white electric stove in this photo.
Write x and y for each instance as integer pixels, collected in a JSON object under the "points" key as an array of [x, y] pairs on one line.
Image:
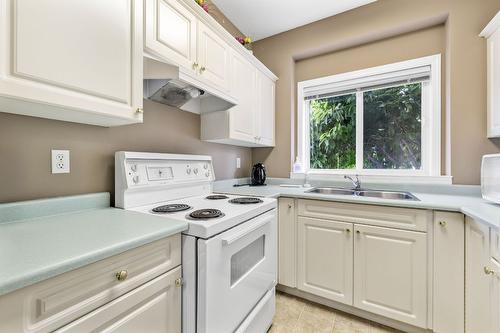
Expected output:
{"points": [[229, 251]]}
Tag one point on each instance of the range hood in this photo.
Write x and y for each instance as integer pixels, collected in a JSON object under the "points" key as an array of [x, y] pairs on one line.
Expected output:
{"points": [[177, 87]]}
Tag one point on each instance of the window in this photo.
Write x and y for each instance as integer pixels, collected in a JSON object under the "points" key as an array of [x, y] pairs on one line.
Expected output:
{"points": [[378, 121]]}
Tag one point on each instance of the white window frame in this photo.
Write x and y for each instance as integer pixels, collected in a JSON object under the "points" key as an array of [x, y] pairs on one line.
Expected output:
{"points": [[431, 118]]}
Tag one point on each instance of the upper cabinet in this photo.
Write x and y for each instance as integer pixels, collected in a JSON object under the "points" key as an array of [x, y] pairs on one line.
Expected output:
{"points": [[171, 32], [251, 122], [213, 57], [265, 111], [492, 34], [66, 61], [180, 33], [82, 61]]}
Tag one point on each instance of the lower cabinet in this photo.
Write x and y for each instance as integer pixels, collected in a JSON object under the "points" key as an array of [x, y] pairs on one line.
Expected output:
{"points": [[373, 258], [390, 273], [287, 246], [325, 254], [154, 307], [482, 296], [135, 291]]}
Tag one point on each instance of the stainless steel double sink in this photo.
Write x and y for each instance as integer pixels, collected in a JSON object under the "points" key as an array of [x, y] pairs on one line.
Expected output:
{"points": [[394, 195]]}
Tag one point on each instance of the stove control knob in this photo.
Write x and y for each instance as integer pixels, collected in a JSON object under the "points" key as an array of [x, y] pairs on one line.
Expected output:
{"points": [[195, 171], [188, 171], [207, 174], [135, 179], [205, 166], [133, 167]]}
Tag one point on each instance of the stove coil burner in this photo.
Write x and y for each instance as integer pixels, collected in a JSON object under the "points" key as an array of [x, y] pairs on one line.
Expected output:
{"points": [[202, 214], [245, 200], [171, 208], [217, 197]]}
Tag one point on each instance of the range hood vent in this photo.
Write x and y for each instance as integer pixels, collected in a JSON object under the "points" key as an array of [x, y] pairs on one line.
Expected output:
{"points": [[173, 86]]}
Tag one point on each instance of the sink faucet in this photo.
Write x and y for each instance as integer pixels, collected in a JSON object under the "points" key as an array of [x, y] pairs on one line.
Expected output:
{"points": [[355, 181]]}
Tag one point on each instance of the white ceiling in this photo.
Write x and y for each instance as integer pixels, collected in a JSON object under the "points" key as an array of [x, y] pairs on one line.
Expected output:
{"points": [[263, 18]]}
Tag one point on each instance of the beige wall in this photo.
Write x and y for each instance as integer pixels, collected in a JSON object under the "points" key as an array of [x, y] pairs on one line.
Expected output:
{"points": [[411, 45], [385, 31], [25, 144]]}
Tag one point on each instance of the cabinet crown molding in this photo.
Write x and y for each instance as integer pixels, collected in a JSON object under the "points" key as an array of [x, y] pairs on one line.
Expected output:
{"points": [[491, 27]]}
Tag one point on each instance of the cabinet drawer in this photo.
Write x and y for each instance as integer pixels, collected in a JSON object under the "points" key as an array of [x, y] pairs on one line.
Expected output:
{"points": [[154, 307], [58, 301], [400, 218]]}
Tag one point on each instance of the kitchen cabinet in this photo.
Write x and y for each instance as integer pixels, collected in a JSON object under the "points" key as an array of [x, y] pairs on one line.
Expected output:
{"points": [[123, 292], [325, 258], [481, 289], [250, 123], [448, 261], [492, 34], [153, 307], [179, 33], [287, 235], [170, 31], [265, 110], [175, 35], [213, 57], [88, 71], [390, 275], [373, 258]]}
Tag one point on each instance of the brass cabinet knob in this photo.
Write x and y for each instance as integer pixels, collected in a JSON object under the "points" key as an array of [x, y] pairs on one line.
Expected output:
{"points": [[358, 232], [179, 282], [442, 223], [202, 69], [121, 275], [195, 65], [348, 230], [488, 271], [139, 110], [290, 206]]}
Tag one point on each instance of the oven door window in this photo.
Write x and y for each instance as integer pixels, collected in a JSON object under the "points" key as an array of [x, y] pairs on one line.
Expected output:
{"points": [[246, 259]]}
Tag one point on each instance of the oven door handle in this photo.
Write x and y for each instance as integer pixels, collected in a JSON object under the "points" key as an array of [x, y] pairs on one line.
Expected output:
{"points": [[251, 227]]}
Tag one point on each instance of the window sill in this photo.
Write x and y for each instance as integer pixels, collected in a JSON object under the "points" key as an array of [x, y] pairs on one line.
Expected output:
{"points": [[371, 178]]}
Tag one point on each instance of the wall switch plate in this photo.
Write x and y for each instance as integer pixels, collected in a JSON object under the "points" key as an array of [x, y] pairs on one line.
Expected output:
{"points": [[60, 161], [238, 162]]}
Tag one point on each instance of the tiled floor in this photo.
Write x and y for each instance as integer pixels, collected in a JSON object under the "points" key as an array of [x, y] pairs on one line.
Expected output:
{"points": [[295, 315]]}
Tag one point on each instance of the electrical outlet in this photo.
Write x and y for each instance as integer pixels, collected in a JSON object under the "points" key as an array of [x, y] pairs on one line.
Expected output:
{"points": [[60, 161], [238, 163]]}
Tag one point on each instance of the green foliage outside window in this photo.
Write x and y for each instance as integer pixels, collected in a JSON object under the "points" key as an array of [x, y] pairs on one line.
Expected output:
{"points": [[391, 133], [333, 132]]}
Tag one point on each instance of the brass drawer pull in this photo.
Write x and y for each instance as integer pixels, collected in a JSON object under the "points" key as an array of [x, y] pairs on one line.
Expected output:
{"points": [[179, 282], [488, 271], [121, 275]]}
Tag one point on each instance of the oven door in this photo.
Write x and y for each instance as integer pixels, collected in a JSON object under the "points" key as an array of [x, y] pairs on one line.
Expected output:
{"points": [[235, 270]]}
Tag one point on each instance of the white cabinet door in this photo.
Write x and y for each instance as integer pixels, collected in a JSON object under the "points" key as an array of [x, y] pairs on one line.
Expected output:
{"points": [[287, 237], [78, 61], [390, 273], [242, 116], [265, 112], [213, 57], [477, 288], [495, 296], [171, 32], [492, 33], [449, 272], [154, 307], [325, 258]]}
